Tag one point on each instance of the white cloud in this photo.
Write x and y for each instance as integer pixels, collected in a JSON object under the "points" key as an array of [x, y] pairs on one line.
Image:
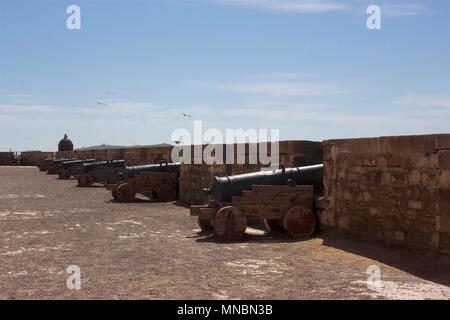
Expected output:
{"points": [[389, 8], [288, 5], [279, 76], [272, 114], [424, 101], [398, 10], [279, 88]]}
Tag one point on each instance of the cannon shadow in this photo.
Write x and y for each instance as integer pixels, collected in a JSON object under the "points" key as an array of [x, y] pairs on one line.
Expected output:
{"points": [[256, 233], [426, 266], [206, 236]]}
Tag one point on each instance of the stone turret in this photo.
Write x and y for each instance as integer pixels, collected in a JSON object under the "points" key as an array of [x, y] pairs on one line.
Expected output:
{"points": [[65, 144]]}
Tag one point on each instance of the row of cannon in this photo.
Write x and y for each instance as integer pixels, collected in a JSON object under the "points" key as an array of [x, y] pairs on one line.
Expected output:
{"points": [[284, 198], [160, 181]]}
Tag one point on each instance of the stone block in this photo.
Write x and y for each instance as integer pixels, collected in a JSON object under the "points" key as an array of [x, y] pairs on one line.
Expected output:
{"points": [[326, 218], [374, 211], [444, 159], [399, 236], [444, 179], [382, 161], [396, 160], [415, 177], [443, 142], [444, 243], [435, 238], [408, 144], [443, 224], [433, 160], [344, 223], [415, 205], [385, 179]]}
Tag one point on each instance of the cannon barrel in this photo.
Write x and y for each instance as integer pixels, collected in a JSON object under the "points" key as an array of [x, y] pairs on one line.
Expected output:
{"points": [[163, 166], [70, 163], [60, 160], [223, 188], [87, 167]]}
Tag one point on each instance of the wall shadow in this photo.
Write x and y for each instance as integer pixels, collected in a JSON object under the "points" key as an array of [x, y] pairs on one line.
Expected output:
{"points": [[421, 263], [425, 265]]}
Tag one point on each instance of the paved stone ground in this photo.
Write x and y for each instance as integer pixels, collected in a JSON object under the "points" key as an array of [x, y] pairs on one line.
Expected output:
{"points": [[150, 250]]}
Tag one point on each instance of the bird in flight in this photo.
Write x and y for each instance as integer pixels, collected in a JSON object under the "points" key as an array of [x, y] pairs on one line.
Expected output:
{"points": [[102, 103], [186, 115]]}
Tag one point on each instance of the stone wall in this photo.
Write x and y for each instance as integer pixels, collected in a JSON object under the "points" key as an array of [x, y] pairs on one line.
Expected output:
{"points": [[6, 158], [32, 158], [392, 189], [195, 177], [133, 156]]}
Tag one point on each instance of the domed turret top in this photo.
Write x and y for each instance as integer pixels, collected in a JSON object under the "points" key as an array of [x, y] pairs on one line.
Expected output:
{"points": [[65, 144]]}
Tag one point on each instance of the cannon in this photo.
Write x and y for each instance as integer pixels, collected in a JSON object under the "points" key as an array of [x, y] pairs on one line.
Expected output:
{"points": [[283, 198], [67, 169], [53, 165], [105, 172], [159, 180], [43, 164]]}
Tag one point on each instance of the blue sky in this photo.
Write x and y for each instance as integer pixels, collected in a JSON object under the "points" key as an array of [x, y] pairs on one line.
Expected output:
{"points": [[309, 68]]}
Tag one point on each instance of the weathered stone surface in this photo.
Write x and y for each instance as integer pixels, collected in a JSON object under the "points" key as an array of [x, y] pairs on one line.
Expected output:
{"points": [[32, 158], [394, 189], [443, 224], [444, 159], [444, 179], [415, 177], [415, 205], [443, 142]]}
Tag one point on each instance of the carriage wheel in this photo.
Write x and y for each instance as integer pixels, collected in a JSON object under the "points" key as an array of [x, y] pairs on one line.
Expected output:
{"points": [[229, 224], [204, 224], [274, 225], [167, 193], [66, 175], [300, 221], [85, 180], [114, 191], [125, 193]]}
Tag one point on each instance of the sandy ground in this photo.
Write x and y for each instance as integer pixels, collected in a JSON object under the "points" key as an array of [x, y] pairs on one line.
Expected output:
{"points": [[151, 250]]}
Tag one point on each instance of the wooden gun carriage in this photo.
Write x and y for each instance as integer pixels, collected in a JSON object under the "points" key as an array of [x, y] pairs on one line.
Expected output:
{"points": [[159, 180], [104, 172], [283, 198]]}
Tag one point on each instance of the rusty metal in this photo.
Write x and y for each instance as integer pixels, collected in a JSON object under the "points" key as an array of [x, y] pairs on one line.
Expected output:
{"points": [[284, 199], [223, 188]]}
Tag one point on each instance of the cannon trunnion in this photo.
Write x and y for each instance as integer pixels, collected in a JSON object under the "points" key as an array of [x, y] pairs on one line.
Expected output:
{"points": [[159, 180], [283, 198]]}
